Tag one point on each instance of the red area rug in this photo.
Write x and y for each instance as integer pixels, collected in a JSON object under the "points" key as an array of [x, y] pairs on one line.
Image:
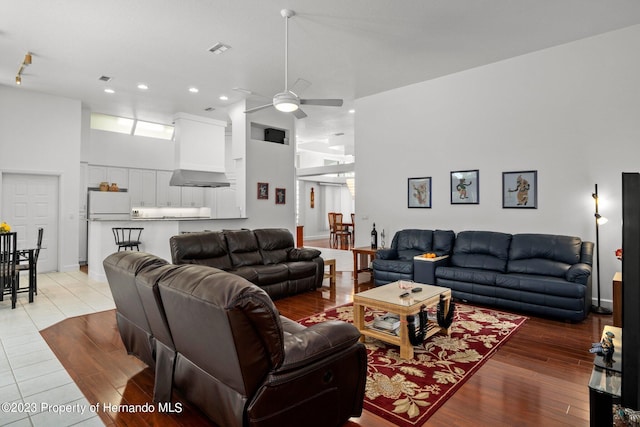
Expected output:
{"points": [[408, 392]]}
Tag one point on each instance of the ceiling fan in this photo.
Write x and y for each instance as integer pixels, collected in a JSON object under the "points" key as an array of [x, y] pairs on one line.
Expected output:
{"points": [[288, 101]]}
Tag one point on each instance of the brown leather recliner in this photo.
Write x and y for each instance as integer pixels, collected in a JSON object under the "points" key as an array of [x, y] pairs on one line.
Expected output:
{"points": [[121, 270], [238, 360]]}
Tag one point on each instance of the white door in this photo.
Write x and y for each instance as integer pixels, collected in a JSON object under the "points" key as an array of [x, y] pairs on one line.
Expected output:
{"points": [[28, 203]]}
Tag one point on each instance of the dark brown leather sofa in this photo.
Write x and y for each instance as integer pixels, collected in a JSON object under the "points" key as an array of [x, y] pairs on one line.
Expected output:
{"points": [[219, 341], [265, 257]]}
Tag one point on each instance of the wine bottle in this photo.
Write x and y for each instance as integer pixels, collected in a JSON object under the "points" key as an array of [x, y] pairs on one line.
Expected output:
{"points": [[374, 237]]}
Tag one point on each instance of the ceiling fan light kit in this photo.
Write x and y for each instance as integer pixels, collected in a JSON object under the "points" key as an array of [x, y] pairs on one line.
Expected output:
{"points": [[287, 101]]}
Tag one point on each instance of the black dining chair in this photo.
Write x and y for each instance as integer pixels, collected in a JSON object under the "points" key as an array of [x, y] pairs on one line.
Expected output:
{"points": [[8, 260], [127, 237], [28, 261]]}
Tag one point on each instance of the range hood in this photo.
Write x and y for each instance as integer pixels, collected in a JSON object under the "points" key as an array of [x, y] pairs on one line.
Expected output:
{"points": [[200, 152], [193, 178]]}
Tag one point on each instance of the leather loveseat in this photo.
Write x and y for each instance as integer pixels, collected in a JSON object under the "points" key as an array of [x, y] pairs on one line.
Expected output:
{"points": [[265, 257], [219, 341], [543, 274], [396, 263]]}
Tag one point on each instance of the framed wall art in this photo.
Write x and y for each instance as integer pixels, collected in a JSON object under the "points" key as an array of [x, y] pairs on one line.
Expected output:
{"points": [[520, 189], [419, 192], [263, 190], [281, 196], [465, 187]]}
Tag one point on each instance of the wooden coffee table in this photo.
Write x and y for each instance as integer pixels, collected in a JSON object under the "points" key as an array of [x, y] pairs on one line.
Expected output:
{"points": [[387, 298]]}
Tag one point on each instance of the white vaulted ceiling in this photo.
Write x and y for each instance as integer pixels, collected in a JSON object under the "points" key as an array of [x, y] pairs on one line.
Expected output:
{"points": [[346, 49]]}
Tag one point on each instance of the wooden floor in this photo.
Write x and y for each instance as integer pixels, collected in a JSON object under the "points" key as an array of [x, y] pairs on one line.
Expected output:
{"points": [[539, 377]]}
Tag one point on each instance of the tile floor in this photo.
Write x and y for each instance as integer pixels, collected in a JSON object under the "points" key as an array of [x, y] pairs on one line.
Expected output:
{"points": [[35, 390]]}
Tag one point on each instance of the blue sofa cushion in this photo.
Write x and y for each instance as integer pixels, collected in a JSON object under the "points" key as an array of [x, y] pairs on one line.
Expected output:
{"points": [[541, 285], [485, 250], [392, 265], [472, 275], [410, 243], [543, 254]]}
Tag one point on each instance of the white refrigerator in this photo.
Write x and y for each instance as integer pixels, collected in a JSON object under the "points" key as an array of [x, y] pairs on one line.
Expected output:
{"points": [[109, 205]]}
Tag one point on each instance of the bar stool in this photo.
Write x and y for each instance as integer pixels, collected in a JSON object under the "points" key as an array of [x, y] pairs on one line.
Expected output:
{"points": [[127, 237]]}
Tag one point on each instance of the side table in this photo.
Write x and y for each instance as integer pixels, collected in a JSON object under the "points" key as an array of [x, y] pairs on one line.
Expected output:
{"points": [[605, 384], [361, 255]]}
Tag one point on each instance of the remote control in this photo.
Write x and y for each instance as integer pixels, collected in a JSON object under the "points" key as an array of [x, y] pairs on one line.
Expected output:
{"points": [[406, 294], [415, 290]]}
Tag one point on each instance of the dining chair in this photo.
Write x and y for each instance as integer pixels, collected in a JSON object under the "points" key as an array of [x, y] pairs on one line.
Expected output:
{"points": [[8, 260], [353, 227], [332, 229], [127, 237], [28, 261], [342, 232]]}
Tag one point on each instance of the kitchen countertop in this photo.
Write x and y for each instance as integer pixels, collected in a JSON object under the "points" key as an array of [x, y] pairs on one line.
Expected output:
{"points": [[161, 219]]}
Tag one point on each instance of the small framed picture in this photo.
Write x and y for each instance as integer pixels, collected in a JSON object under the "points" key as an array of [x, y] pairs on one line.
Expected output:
{"points": [[520, 190], [419, 192], [263, 190], [281, 194], [465, 187]]}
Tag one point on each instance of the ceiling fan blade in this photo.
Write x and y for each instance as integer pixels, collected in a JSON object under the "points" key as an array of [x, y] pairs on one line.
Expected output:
{"points": [[299, 86], [323, 102], [262, 107], [299, 114]]}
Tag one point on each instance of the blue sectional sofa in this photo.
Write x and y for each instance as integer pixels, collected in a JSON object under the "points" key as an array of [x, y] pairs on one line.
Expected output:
{"points": [[543, 274], [396, 263]]}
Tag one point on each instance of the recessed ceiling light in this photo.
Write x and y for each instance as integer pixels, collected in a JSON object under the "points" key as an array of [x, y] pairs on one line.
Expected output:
{"points": [[108, 90], [224, 98], [352, 111], [142, 86], [219, 48], [193, 89]]}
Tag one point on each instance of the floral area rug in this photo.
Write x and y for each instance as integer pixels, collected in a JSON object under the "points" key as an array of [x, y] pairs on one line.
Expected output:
{"points": [[408, 392]]}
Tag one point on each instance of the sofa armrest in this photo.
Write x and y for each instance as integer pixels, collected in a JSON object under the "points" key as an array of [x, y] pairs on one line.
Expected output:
{"points": [[578, 273], [316, 342], [302, 254], [387, 254]]}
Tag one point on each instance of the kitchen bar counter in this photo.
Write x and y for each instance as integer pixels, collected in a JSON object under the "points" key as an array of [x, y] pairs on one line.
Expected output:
{"points": [[101, 243]]}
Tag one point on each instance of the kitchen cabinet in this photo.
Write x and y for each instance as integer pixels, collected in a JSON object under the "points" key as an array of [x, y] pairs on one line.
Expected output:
{"points": [[166, 195], [142, 187], [97, 174], [192, 197]]}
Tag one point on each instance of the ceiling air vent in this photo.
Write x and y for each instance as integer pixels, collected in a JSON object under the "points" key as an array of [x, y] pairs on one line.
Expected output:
{"points": [[219, 48], [105, 78], [209, 109]]}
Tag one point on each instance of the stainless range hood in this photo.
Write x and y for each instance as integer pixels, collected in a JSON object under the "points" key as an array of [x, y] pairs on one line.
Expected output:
{"points": [[193, 178]]}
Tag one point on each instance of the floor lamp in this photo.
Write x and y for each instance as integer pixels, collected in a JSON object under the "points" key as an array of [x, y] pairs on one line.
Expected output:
{"points": [[599, 220]]}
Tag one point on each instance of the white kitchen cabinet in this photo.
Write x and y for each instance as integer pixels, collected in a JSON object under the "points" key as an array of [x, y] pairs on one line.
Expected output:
{"points": [[192, 197], [166, 195], [142, 187], [97, 174]]}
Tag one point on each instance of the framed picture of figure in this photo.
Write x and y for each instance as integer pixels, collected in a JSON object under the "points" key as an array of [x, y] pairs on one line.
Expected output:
{"points": [[465, 187], [419, 192], [263, 190], [520, 190], [281, 196]]}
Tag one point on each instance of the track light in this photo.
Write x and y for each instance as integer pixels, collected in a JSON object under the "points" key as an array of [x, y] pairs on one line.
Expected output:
{"points": [[25, 63]]}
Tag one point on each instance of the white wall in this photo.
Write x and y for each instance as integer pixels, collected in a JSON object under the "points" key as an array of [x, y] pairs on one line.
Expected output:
{"points": [[40, 134], [569, 112], [119, 149]]}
